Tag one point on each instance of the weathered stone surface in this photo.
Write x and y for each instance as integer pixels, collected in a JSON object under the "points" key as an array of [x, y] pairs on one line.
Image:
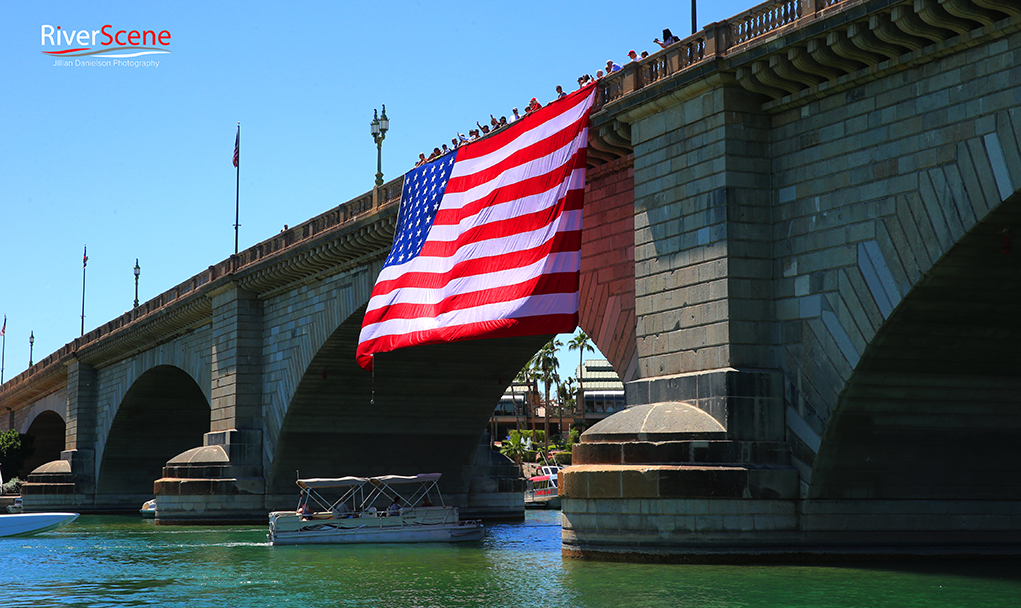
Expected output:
{"points": [[656, 422]]}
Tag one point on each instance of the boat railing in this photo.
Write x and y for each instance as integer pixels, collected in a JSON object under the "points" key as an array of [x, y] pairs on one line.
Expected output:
{"points": [[418, 515]]}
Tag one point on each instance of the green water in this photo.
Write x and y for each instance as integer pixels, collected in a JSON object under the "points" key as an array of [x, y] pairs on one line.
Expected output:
{"points": [[125, 561]]}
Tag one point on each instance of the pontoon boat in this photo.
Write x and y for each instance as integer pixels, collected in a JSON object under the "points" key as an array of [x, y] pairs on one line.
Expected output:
{"points": [[386, 509]]}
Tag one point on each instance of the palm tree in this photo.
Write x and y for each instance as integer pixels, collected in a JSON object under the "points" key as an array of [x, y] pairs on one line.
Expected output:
{"points": [[531, 375], [565, 391], [524, 376], [514, 448], [546, 365], [580, 342]]}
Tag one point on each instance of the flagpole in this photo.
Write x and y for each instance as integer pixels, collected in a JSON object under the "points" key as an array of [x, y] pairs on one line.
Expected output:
{"points": [[237, 186], [85, 264]]}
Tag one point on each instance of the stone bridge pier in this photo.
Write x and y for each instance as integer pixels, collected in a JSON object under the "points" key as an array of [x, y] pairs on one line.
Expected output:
{"points": [[223, 478], [825, 200]]}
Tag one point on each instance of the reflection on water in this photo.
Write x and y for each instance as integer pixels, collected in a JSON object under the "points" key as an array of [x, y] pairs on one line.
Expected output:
{"points": [[126, 561]]}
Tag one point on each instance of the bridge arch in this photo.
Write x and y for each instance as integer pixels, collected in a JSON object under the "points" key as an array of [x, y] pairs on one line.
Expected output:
{"points": [[47, 431], [162, 414], [931, 409], [343, 420]]}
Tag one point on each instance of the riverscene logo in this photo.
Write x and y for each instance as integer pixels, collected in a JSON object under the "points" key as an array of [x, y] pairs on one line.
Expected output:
{"points": [[115, 46]]}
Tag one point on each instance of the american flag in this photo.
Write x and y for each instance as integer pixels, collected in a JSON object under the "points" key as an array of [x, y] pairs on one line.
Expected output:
{"points": [[488, 238], [3, 330], [85, 256], [237, 145]]}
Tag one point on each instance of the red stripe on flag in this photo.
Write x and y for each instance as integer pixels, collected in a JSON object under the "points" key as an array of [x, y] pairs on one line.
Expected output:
{"points": [[559, 283], [500, 328]]}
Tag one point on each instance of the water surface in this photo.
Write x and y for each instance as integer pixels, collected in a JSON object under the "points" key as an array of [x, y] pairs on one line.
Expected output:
{"points": [[100, 561]]}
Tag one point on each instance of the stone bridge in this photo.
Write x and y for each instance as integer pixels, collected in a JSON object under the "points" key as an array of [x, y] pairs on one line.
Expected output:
{"points": [[223, 389], [824, 197], [797, 253]]}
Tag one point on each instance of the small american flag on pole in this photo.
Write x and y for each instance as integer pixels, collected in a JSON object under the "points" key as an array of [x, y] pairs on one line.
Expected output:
{"points": [[488, 239], [237, 146]]}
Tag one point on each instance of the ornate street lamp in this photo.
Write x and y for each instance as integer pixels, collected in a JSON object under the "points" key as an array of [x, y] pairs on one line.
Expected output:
{"points": [[138, 271], [31, 345], [380, 125]]}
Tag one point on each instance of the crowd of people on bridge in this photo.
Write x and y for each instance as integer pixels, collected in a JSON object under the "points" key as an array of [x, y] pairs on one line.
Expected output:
{"points": [[496, 124], [633, 56]]}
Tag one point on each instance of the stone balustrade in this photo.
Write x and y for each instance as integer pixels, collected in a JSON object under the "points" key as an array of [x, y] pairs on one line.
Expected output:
{"points": [[714, 41], [807, 59]]}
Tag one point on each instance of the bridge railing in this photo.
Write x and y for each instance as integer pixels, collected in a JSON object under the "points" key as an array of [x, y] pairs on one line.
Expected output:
{"points": [[372, 201], [763, 19], [338, 216], [714, 41]]}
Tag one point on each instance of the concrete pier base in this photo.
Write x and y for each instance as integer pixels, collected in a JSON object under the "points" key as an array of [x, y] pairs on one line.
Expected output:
{"points": [[669, 480], [220, 482], [724, 501]]}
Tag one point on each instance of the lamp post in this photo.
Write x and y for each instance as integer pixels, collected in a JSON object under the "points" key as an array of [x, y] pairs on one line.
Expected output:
{"points": [[380, 125], [138, 271], [31, 345]]}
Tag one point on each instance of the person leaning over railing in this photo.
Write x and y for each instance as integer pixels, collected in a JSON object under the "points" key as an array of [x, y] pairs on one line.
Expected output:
{"points": [[668, 39]]}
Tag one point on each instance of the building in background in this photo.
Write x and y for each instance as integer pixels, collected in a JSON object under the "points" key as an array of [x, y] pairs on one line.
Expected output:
{"points": [[604, 392], [521, 406]]}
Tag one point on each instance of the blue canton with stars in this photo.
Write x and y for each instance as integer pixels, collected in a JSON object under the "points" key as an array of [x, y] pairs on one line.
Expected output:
{"points": [[420, 199]]}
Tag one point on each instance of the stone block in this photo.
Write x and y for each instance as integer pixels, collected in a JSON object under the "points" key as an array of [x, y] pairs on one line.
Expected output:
{"points": [[691, 506], [639, 483], [695, 482], [725, 507], [668, 524], [597, 453], [708, 523]]}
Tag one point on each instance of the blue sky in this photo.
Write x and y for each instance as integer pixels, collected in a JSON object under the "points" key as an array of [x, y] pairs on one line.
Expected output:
{"points": [[136, 162]]}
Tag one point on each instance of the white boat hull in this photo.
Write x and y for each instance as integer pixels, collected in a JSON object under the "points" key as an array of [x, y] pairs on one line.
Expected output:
{"points": [[20, 524], [428, 525], [341, 537]]}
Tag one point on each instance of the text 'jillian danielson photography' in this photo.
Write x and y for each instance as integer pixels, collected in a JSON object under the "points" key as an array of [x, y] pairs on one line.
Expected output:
{"points": [[105, 63]]}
